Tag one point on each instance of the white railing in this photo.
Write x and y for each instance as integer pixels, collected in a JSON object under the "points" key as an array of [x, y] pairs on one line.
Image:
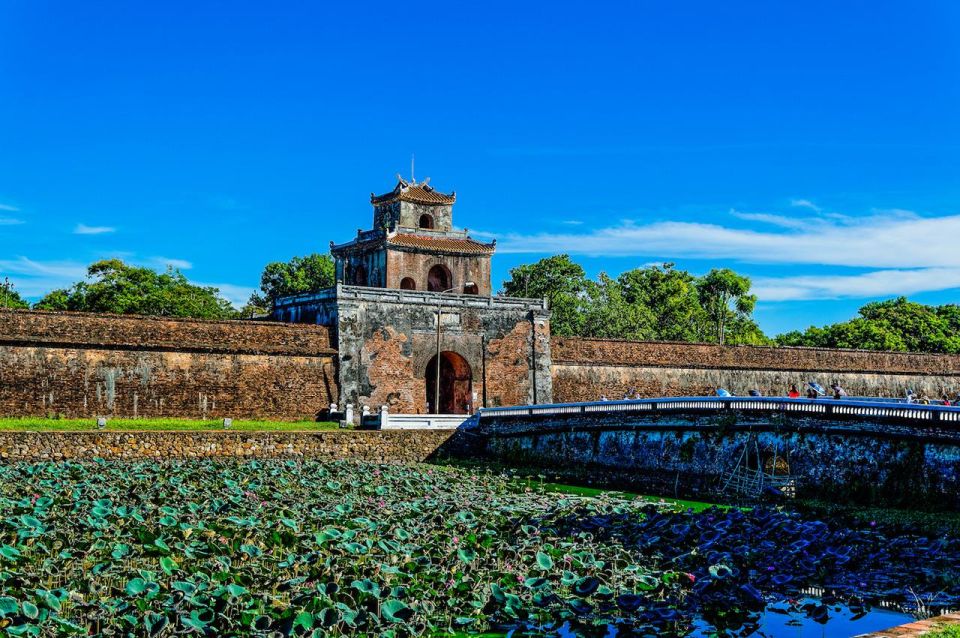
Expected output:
{"points": [[875, 408]]}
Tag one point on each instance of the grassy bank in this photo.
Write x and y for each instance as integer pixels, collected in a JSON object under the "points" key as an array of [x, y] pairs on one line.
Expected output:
{"points": [[79, 425]]}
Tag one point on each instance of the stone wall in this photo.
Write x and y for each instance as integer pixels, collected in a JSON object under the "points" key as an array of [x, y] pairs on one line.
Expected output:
{"points": [[386, 339], [586, 369], [81, 365], [407, 446], [692, 454]]}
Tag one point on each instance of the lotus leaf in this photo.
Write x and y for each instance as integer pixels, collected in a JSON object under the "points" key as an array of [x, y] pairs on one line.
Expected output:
{"points": [[258, 547]]}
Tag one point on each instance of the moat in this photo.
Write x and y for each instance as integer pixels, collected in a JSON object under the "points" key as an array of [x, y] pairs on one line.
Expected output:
{"points": [[234, 547]]}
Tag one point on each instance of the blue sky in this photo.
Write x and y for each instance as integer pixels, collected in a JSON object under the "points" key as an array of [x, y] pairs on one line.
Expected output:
{"points": [[814, 146]]}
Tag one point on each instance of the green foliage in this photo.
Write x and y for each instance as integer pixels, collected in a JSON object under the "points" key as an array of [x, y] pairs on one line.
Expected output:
{"points": [[670, 295], [655, 302], [726, 299], [115, 287], [309, 548], [300, 274], [896, 324], [561, 282], [607, 313], [10, 298]]}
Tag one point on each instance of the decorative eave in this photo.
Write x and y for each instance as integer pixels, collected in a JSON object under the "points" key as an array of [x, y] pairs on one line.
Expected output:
{"points": [[439, 245], [365, 240], [414, 192]]}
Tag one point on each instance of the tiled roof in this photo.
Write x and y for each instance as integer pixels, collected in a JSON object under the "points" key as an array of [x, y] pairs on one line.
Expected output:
{"points": [[421, 193], [442, 244]]}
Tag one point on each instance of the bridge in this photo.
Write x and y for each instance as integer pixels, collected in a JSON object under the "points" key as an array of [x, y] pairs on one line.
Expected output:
{"points": [[892, 416], [867, 450]]}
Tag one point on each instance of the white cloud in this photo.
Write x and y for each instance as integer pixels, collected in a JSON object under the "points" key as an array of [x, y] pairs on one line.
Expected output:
{"points": [[179, 264], [805, 203], [9, 208], [37, 278], [572, 222], [773, 220], [83, 229], [906, 253], [884, 240], [10, 221], [236, 295], [877, 283]]}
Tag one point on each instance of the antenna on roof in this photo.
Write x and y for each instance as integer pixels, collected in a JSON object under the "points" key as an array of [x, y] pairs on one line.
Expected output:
{"points": [[413, 180]]}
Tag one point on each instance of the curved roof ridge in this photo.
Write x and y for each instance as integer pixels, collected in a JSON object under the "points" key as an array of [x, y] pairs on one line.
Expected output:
{"points": [[417, 193]]}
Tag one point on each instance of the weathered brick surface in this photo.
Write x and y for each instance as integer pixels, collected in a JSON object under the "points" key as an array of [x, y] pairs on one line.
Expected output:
{"points": [[586, 369], [701, 355], [407, 446], [80, 365], [158, 333], [387, 339]]}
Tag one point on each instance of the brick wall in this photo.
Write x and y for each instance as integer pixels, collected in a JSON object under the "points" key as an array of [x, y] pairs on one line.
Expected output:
{"points": [[81, 365], [585, 369], [160, 333]]}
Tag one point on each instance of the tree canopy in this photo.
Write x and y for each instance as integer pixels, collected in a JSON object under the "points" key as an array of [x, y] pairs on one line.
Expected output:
{"points": [[656, 302], [115, 287], [895, 324], [561, 282], [10, 298], [726, 299], [282, 278]]}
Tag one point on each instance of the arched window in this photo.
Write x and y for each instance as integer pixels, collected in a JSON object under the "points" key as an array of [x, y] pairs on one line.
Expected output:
{"points": [[407, 283], [426, 221], [471, 289], [439, 279]]}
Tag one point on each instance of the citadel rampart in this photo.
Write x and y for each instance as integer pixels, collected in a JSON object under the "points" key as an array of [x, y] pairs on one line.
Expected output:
{"points": [[81, 365], [586, 369]]}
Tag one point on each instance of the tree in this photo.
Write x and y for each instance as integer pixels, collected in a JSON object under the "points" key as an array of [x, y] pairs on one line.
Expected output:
{"points": [[115, 287], [10, 298], [58, 299], [300, 274], [895, 325], [607, 313], [561, 282], [670, 297], [725, 297]]}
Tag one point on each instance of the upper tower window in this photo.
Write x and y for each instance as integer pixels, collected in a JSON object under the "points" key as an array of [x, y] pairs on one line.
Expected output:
{"points": [[426, 221]]}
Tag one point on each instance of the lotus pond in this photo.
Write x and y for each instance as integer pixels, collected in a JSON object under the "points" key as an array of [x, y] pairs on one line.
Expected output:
{"points": [[240, 548]]}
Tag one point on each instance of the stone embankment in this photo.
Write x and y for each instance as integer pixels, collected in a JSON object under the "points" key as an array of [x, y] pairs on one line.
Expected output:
{"points": [[402, 446]]}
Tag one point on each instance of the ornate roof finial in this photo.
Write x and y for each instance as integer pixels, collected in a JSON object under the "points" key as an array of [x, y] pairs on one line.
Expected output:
{"points": [[413, 179]]}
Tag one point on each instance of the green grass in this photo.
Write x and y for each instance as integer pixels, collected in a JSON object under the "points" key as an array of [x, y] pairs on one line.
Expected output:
{"points": [[531, 477], [947, 631], [696, 506], [29, 424]]}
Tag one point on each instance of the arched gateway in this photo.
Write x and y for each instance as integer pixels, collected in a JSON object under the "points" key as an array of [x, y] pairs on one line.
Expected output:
{"points": [[456, 384]]}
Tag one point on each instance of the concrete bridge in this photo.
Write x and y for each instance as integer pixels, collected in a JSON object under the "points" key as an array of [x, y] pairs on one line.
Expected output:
{"points": [[861, 450]]}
